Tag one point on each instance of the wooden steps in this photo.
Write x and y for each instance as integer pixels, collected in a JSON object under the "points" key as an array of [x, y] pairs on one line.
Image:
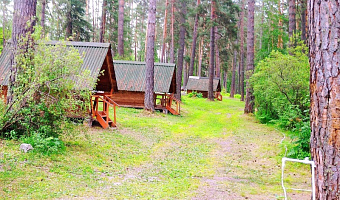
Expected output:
{"points": [[103, 116]]}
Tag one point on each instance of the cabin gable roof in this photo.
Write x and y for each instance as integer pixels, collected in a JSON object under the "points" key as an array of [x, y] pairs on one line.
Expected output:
{"points": [[202, 83], [130, 76], [94, 56]]}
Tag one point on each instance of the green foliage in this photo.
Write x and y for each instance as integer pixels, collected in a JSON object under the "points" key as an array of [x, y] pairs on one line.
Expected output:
{"points": [[281, 89], [43, 144], [195, 94], [49, 86]]}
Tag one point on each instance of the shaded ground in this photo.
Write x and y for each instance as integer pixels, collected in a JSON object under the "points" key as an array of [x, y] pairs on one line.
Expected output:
{"points": [[212, 151]]}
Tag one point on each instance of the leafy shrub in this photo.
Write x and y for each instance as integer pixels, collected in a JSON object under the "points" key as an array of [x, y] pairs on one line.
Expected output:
{"points": [[281, 90], [48, 85], [195, 94], [43, 144]]}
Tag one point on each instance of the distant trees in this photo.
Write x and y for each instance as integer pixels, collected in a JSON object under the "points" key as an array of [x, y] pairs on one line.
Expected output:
{"points": [[150, 48]]}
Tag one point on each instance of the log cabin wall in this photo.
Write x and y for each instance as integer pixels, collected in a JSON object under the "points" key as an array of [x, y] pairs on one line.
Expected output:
{"points": [[129, 99]]}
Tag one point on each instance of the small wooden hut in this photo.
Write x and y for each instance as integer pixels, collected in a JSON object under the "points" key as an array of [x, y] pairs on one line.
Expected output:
{"points": [[97, 57], [130, 77], [201, 84]]}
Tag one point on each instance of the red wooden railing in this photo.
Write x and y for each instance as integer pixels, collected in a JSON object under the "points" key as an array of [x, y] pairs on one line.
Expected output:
{"points": [[103, 116]]}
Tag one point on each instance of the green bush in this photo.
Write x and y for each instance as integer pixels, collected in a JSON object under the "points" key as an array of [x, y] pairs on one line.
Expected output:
{"points": [[195, 94], [48, 86], [281, 90]]}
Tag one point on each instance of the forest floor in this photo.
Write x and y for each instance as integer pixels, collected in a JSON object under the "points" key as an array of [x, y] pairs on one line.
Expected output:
{"points": [[211, 151]]}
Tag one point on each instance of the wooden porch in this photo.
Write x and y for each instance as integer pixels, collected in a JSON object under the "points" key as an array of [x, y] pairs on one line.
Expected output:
{"points": [[102, 113]]}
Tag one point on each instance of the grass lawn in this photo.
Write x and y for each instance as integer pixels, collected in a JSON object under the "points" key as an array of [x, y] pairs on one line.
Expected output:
{"points": [[211, 151]]}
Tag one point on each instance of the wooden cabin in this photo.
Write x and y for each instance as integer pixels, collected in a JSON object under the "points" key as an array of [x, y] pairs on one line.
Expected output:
{"points": [[201, 84], [97, 57], [130, 77]]}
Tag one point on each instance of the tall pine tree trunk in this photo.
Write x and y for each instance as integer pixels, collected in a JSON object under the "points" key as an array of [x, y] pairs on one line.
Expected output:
{"points": [[292, 19], [69, 20], [200, 57], [242, 51], [194, 41], [165, 31], [303, 20], [233, 77], [212, 54], [43, 16], [149, 101], [249, 106], [103, 22], [121, 28], [24, 19], [217, 54], [324, 27], [172, 47], [182, 32]]}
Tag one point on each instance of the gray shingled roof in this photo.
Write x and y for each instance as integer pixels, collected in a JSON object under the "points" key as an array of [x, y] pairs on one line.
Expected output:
{"points": [[202, 83], [130, 76], [93, 59]]}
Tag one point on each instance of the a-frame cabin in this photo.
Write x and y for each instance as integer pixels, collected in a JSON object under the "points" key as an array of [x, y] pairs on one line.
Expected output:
{"points": [[97, 58], [201, 84], [130, 77]]}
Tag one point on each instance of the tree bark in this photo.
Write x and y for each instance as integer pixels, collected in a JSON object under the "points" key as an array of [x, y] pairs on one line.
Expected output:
{"points": [[180, 58], [249, 104], [165, 31], [303, 20], [292, 19], [242, 52], [149, 101], [43, 14], [194, 41], [172, 47], [121, 28], [102, 25], [24, 19], [324, 27], [212, 54], [200, 57], [69, 20], [3, 23], [233, 77], [217, 54]]}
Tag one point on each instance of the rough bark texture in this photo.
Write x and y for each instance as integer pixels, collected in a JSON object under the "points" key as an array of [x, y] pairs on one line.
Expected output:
{"points": [[324, 26], [303, 20], [121, 28], [172, 46], [69, 21], [43, 16], [233, 77], [249, 106], [217, 54], [165, 30], [242, 51], [292, 19], [212, 54], [103, 22], [200, 57], [194, 41], [181, 50], [3, 23], [24, 19], [149, 80]]}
